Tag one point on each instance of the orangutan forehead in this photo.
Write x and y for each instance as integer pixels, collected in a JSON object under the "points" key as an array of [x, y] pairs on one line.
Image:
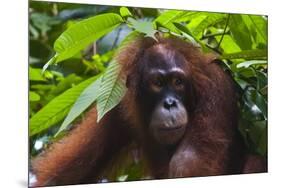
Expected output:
{"points": [[162, 56]]}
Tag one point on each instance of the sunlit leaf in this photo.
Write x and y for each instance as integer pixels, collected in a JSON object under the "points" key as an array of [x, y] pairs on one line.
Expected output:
{"points": [[81, 34], [228, 45], [246, 64], [187, 33], [187, 16], [167, 18], [210, 20], [87, 97], [35, 74], [111, 91], [258, 27], [124, 12], [33, 96], [57, 109], [240, 32]]}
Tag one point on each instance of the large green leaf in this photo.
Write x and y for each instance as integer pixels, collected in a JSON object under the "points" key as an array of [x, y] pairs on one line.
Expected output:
{"points": [[258, 27], [81, 34], [111, 91], [210, 20], [112, 85], [87, 97], [240, 32], [228, 44], [188, 16], [57, 109], [187, 33], [167, 18]]}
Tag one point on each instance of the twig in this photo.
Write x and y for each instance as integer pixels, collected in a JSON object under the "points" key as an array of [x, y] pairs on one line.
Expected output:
{"points": [[213, 35], [116, 38], [224, 31]]}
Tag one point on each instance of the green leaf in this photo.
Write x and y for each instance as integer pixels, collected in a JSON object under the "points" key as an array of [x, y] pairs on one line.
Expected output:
{"points": [[258, 27], [57, 109], [112, 85], [35, 74], [240, 32], [247, 54], [187, 34], [145, 27], [246, 64], [256, 102], [187, 16], [258, 134], [261, 103], [167, 18], [194, 22], [111, 91], [81, 34], [33, 96], [210, 20], [264, 90], [261, 80], [66, 83], [228, 45], [125, 13], [242, 83], [246, 72], [87, 97]]}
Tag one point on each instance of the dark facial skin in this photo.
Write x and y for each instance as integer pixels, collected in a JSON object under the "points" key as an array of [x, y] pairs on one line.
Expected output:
{"points": [[164, 88]]}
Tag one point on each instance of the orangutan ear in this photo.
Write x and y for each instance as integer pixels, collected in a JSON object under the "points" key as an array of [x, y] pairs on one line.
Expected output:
{"points": [[223, 64], [212, 58]]}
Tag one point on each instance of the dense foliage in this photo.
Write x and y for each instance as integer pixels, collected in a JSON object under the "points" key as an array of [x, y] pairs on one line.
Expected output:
{"points": [[72, 66]]}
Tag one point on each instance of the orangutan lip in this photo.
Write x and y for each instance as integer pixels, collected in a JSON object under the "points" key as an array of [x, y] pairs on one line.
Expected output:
{"points": [[169, 128]]}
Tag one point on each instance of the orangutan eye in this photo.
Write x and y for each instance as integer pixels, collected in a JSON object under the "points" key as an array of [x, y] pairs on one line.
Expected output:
{"points": [[158, 82], [178, 81]]}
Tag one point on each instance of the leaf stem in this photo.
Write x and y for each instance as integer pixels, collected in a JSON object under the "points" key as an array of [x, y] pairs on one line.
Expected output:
{"points": [[224, 31]]}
